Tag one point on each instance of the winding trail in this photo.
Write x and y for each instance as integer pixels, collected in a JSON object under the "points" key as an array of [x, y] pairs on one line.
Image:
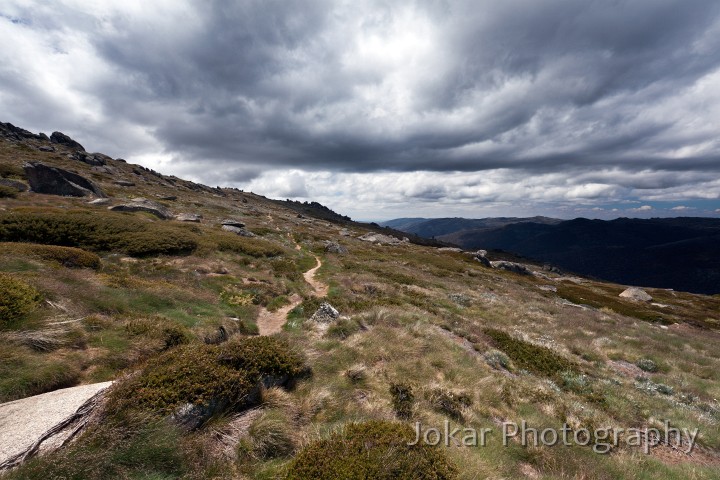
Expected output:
{"points": [[272, 322]]}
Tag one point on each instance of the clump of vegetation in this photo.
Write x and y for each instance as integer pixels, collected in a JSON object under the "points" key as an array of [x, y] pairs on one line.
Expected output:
{"points": [[497, 360], [448, 402], [530, 357], [8, 192], [23, 373], [357, 373], [200, 374], [139, 448], [227, 242], [8, 170], [109, 232], [66, 256], [374, 449], [343, 328], [169, 334], [647, 365], [403, 400], [17, 299], [271, 436]]}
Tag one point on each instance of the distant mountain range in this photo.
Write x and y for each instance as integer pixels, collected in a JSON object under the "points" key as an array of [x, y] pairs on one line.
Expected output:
{"points": [[679, 253]]}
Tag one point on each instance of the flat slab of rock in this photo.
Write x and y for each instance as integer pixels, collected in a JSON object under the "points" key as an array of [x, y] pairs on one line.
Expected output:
{"points": [[124, 183], [450, 249], [56, 181], [23, 422], [232, 223], [636, 294], [143, 205]]}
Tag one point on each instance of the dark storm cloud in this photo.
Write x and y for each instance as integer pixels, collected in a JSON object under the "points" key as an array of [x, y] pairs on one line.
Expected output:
{"points": [[616, 92]]}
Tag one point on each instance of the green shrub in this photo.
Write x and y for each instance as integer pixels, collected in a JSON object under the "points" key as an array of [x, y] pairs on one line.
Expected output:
{"points": [[533, 358], [8, 192], [107, 232], [403, 400], [285, 267], [374, 449], [66, 256], [17, 299], [497, 360], [202, 374]]}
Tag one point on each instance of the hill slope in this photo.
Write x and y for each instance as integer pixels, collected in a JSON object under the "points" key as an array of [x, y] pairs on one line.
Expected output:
{"points": [[163, 296]]}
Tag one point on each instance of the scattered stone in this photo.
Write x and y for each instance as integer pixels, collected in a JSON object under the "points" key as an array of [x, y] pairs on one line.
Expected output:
{"points": [[335, 247], [124, 183], [511, 267], [232, 223], [45, 148], [62, 139], [461, 299], [56, 181], [345, 232], [636, 294], [238, 231], [188, 217], [143, 205], [325, 314], [16, 184], [547, 288]]}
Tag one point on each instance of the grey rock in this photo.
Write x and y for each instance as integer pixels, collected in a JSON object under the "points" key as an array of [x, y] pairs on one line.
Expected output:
{"points": [[16, 184], [483, 261], [56, 181], [99, 201], [238, 231], [169, 198], [547, 288], [345, 232], [13, 133], [62, 139], [45, 148], [143, 205], [92, 159], [124, 183], [636, 294], [511, 267], [188, 217], [450, 249], [335, 247], [325, 314]]}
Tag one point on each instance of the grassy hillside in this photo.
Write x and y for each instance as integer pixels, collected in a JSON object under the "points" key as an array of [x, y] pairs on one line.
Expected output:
{"points": [[168, 309]]}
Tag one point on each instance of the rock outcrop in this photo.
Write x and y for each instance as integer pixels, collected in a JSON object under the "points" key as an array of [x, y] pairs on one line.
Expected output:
{"points": [[236, 227], [143, 205], [511, 267], [62, 139], [17, 134], [381, 239], [56, 181], [636, 294], [93, 159]]}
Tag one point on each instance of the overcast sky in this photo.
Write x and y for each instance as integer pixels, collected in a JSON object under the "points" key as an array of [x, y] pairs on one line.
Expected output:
{"points": [[383, 109]]}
